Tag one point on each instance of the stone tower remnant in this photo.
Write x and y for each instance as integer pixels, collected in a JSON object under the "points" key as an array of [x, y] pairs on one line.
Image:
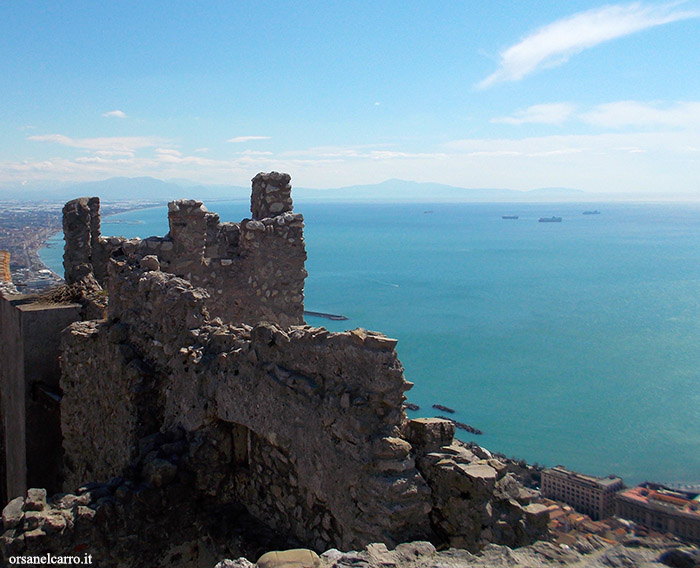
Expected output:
{"points": [[205, 381]]}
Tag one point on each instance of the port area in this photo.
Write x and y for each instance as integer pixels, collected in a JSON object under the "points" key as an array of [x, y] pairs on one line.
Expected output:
{"points": [[334, 317]]}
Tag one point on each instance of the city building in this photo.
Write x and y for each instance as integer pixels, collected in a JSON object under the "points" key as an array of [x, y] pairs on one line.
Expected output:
{"points": [[594, 496], [661, 509], [5, 275]]}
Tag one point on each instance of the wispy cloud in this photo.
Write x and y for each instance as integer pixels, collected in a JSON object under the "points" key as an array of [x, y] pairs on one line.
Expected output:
{"points": [[649, 159], [551, 113], [644, 115], [114, 145], [630, 115], [555, 43], [114, 114], [238, 139]]}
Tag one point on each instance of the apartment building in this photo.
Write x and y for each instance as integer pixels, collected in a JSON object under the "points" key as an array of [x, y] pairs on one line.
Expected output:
{"points": [[593, 496], [661, 509]]}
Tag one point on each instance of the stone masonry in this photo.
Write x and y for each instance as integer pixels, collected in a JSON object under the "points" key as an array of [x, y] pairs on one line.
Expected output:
{"points": [[203, 389], [253, 270]]}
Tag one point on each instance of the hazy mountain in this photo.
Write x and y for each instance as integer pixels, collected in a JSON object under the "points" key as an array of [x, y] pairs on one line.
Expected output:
{"points": [[403, 190], [122, 189], [152, 189]]}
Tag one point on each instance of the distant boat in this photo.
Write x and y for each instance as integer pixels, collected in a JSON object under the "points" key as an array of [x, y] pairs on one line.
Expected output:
{"points": [[595, 212], [509, 217], [550, 219]]}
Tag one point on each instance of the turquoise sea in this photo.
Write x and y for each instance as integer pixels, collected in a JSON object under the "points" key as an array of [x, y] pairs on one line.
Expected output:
{"points": [[573, 343]]}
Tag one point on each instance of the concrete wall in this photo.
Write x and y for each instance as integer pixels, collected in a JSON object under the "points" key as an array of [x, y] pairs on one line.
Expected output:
{"points": [[29, 376]]}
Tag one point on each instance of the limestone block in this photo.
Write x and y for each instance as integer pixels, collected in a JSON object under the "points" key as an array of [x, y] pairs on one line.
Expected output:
{"points": [[413, 550], [537, 515], [150, 262], [13, 513], [430, 434], [391, 448], [482, 475], [294, 558], [36, 500], [238, 563]]}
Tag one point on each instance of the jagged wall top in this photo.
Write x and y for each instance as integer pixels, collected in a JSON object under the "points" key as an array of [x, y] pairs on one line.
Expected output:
{"points": [[272, 195], [81, 230], [253, 270]]}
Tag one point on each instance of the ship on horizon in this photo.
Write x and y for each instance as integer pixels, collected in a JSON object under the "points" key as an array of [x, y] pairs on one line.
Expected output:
{"points": [[550, 219]]}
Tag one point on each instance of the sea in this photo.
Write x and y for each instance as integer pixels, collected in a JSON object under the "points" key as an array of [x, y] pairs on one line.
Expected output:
{"points": [[574, 343]]}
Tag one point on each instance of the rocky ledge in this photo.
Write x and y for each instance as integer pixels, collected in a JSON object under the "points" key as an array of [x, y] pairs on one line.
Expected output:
{"points": [[592, 552]]}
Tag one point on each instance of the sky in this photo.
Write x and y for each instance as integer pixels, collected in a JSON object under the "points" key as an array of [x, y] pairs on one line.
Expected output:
{"points": [[601, 97]]}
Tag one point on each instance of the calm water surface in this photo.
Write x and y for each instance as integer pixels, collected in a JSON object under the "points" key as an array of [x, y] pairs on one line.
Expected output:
{"points": [[574, 343]]}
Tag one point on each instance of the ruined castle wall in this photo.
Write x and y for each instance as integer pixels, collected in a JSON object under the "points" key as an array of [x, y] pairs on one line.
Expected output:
{"points": [[203, 379], [104, 409], [317, 402], [253, 270], [13, 407], [81, 229]]}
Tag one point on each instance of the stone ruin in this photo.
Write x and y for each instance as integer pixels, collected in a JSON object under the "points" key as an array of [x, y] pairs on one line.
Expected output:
{"points": [[202, 399]]}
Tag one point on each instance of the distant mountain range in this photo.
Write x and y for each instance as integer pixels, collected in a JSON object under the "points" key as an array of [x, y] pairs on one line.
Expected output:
{"points": [[393, 190], [402, 190], [122, 189]]}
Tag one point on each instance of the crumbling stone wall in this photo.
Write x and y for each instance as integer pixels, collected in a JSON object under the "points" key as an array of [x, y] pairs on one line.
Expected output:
{"points": [[81, 230], [253, 270], [318, 401], [202, 390]]}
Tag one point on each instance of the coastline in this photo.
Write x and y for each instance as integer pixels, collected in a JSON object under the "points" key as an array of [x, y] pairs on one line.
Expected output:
{"points": [[25, 229], [477, 412]]}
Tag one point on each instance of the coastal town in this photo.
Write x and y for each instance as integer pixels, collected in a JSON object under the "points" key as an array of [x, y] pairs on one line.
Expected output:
{"points": [[25, 226], [582, 507]]}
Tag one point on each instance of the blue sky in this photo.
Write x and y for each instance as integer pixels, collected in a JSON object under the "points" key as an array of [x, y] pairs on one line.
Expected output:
{"points": [[603, 97]]}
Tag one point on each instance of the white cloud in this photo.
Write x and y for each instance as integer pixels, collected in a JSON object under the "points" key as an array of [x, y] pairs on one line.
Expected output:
{"points": [[551, 113], [119, 144], [645, 115], [168, 152], [555, 43], [114, 114], [617, 162], [255, 153], [238, 139]]}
